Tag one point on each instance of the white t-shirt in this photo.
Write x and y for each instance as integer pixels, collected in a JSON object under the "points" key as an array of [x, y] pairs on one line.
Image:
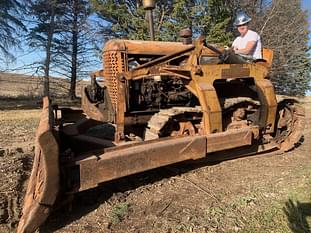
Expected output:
{"points": [[241, 42]]}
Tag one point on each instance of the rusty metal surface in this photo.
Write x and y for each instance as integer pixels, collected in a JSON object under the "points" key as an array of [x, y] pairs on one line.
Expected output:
{"points": [[90, 109], [141, 157], [98, 168], [269, 104], [199, 79], [229, 139], [212, 119], [114, 65], [96, 102], [235, 71], [43, 183], [144, 47], [112, 69]]}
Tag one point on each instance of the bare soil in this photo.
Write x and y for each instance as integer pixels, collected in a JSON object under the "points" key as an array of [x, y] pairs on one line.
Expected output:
{"points": [[17, 133], [270, 192]]}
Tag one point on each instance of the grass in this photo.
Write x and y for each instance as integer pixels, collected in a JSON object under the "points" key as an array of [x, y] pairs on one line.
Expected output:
{"points": [[290, 213], [17, 128], [118, 212], [17, 119], [15, 115]]}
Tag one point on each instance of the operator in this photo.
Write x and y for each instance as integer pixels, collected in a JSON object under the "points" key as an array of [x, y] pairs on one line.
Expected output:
{"points": [[248, 44]]}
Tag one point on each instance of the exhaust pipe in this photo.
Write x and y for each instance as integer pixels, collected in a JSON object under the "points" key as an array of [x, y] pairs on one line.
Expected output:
{"points": [[186, 34], [149, 5]]}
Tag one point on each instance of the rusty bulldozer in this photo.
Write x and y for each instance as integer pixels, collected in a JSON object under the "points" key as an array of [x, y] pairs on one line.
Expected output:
{"points": [[159, 103]]}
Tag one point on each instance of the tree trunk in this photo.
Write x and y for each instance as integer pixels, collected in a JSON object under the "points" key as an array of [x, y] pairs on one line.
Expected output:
{"points": [[46, 88], [74, 54]]}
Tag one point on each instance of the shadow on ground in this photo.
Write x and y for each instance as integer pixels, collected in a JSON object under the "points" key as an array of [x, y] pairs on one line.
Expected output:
{"points": [[297, 216]]}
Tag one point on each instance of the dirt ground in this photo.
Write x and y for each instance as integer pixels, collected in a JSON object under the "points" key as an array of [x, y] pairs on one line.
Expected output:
{"points": [[270, 192]]}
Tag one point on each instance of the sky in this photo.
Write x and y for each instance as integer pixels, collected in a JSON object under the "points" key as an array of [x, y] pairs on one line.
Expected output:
{"points": [[306, 4], [28, 59]]}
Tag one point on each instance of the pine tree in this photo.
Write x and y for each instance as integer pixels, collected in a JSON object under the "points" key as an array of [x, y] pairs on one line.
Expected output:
{"points": [[75, 43], [221, 18], [47, 16], [126, 19], [285, 30], [11, 25]]}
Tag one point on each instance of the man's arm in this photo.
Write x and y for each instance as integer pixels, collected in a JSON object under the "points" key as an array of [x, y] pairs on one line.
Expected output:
{"points": [[249, 47]]}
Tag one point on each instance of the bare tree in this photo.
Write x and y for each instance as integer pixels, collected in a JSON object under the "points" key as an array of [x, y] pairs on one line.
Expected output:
{"points": [[11, 24], [47, 15]]}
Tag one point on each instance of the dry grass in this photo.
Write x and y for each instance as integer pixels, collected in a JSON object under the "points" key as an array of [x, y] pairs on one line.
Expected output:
{"points": [[17, 128], [19, 115], [18, 86], [291, 212]]}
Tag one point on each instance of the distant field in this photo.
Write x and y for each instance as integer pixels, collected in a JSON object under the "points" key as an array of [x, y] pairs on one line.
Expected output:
{"points": [[21, 91], [23, 86]]}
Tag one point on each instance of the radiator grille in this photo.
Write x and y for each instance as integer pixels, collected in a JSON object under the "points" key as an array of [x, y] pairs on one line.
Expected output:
{"points": [[113, 65]]}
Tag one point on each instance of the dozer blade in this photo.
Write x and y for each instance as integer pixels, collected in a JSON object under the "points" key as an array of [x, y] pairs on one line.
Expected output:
{"points": [[43, 185]]}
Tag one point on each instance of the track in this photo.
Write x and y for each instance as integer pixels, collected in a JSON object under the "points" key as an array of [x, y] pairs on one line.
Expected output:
{"points": [[157, 125], [162, 121], [291, 123], [180, 121]]}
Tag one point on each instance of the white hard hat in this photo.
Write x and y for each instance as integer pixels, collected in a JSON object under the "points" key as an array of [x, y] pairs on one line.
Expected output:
{"points": [[241, 18]]}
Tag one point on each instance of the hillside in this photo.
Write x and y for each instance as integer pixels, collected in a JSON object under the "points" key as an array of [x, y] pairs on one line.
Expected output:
{"points": [[18, 90]]}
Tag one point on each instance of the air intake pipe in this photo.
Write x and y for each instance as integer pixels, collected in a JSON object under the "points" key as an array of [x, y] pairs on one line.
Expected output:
{"points": [[149, 5]]}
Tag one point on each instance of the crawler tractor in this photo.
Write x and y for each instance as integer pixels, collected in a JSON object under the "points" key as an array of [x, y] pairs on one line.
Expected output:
{"points": [[155, 104]]}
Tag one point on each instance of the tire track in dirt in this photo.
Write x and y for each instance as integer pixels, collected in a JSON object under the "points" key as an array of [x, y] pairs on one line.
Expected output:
{"points": [[15, 168], [17, 133]]}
